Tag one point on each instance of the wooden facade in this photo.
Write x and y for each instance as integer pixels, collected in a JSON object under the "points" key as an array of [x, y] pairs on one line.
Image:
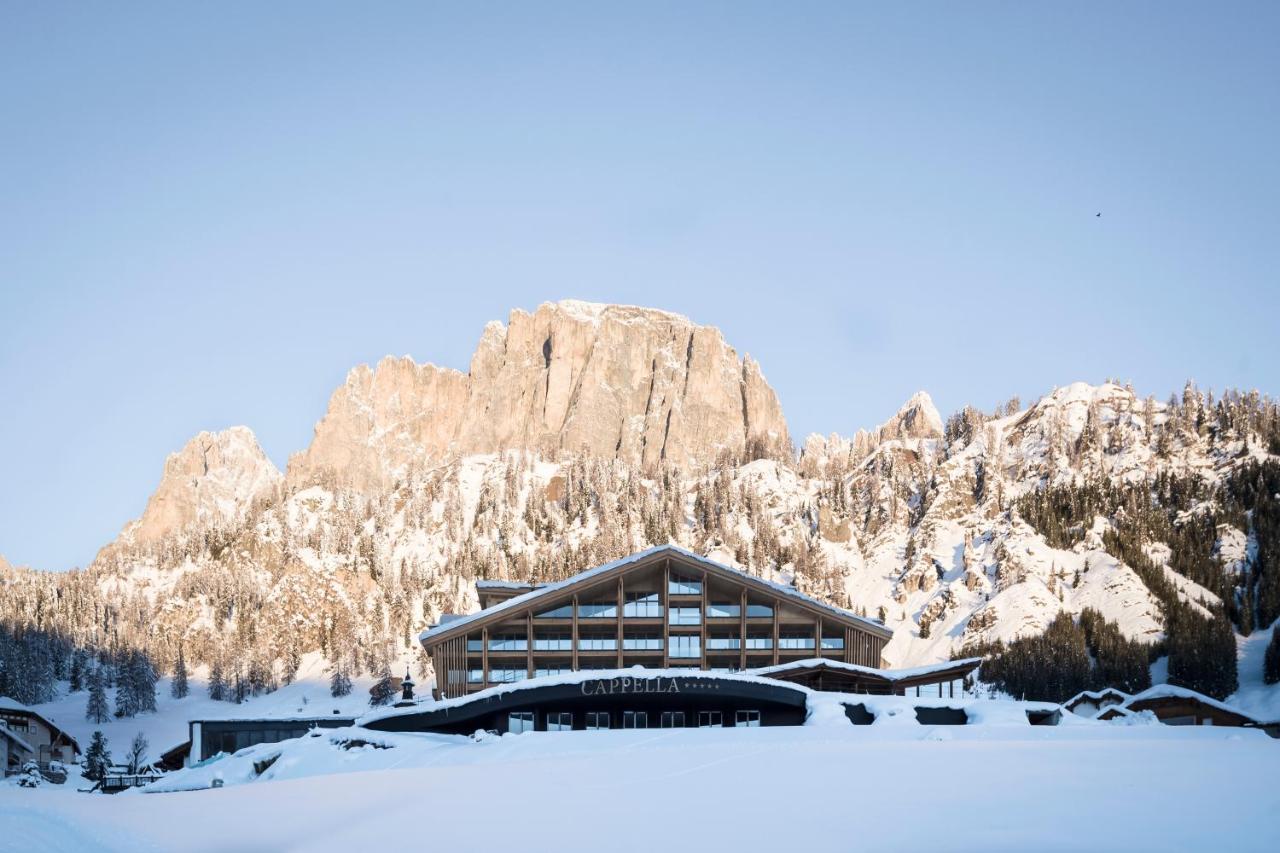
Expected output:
{"points": [[663, 608]]}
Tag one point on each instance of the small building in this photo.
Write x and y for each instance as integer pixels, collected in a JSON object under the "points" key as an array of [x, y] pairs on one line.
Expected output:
{"points": [[1180, 706], [1089, 703], [209, 737], [48, 742]]}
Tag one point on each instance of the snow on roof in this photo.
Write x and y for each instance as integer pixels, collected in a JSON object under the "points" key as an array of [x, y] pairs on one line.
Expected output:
{"points": [[577, 678], [487, 584], [1172, 691], [888, 674], [12, 735], [551, 588], [10, 704], [1095, 696]]}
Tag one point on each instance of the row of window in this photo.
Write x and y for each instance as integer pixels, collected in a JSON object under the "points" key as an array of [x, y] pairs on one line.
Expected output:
{"points": [[643, 605], [562, 721], [681, 646]]}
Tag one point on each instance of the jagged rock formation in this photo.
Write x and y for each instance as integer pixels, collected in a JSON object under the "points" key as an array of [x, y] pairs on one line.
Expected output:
{"points": [[581, 433], [642, 386]]}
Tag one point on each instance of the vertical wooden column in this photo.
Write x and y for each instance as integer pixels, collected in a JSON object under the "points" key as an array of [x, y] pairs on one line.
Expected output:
{"points": [[849, 639], [528, 655], [777, 606], [666, 613], [484, 656], [704, 629], [573, 640], [817, 636], [622, 591], [742, 631]]}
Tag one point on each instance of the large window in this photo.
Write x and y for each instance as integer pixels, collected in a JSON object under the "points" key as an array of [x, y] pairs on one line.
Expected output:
{"points": [[564, 611], [598, 644], [795, 641], [553, 643], [681, 585], [723, 643], [559, 721], [685, 616], [683, 646], [505, 676], [641, 643], [597, 721], [598, 610], [672, 720], [833, 642], [475, 676], [759, 642], [520, 721], [635, 719], [710, 720], [475, 645], [759, 610], [747, 718], [723, 611], [642, 605], [539, 673], [509, 643]]}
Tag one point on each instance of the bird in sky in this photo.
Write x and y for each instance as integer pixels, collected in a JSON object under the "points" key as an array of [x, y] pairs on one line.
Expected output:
{"points": [[1097, 214]]}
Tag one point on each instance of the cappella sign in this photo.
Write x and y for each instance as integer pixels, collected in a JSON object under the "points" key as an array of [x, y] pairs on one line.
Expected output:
{"points": [[608, 686]]}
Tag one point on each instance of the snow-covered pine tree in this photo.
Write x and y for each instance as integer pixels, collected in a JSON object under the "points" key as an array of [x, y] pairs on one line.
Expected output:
{"points": [[217, 681], [178, 689], [97, 710], [382, 691], [97, 758], [340, 681]]}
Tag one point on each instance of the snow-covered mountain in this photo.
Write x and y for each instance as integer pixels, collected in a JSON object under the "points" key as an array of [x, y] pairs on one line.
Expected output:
{"points": [[584, 432]]}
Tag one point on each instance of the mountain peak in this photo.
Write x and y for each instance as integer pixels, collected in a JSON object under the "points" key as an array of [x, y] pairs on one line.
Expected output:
{"points": [[918, 418]]}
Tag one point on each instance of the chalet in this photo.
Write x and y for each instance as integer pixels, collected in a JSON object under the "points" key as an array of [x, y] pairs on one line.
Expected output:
{"points": [[47, 742], [1090, 703], [14, 751], [660, 639], [1179, 706]]}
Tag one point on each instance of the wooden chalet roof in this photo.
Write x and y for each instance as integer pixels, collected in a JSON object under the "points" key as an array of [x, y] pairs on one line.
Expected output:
{"points": [[14, 706], [504, 609]]}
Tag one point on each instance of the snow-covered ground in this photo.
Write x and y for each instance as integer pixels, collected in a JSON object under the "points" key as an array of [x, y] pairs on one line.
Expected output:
{"points": [[823, 787]]}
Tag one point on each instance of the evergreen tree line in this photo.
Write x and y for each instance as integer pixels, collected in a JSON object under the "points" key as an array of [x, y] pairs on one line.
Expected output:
{"points": [[1067, 658]]}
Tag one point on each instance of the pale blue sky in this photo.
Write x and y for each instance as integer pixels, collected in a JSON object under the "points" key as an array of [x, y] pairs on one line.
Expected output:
{"points": [[208, 214]]}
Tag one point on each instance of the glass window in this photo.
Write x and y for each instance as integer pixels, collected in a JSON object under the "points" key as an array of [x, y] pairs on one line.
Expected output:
{"points": [[686, 646], [512, 643], [833, 642], [553, 643], [597, 721], [475, 645], [505, 676], [635, 719], [635, 642], [672, 720], [598, 610], [686, 616], [564, 611], [757, 610], [559, 721], [539, 673], [723, 611], [475, 676], [723, 643], [681, 585], [747, 718], [520, 721], [759, 642], [598, 644], [795, 641], [642, 605], [710, 720]]}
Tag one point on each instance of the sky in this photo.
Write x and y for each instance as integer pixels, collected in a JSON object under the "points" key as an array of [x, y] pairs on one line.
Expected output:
{"points": [[210, 212]]}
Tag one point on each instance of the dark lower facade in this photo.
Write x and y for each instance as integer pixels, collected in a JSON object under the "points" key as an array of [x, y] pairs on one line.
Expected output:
{"points": [[210, 737], [618, 701]]}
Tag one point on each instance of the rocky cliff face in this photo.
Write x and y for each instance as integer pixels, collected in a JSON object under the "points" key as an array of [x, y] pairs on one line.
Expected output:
{"points": [[642, 386], [210, 482]]}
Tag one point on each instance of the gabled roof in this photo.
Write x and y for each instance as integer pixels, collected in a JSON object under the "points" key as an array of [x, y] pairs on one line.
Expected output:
{"points": [[12, 705], [1095, 696], [599, 572], [964, 666], [1172, 691]]}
